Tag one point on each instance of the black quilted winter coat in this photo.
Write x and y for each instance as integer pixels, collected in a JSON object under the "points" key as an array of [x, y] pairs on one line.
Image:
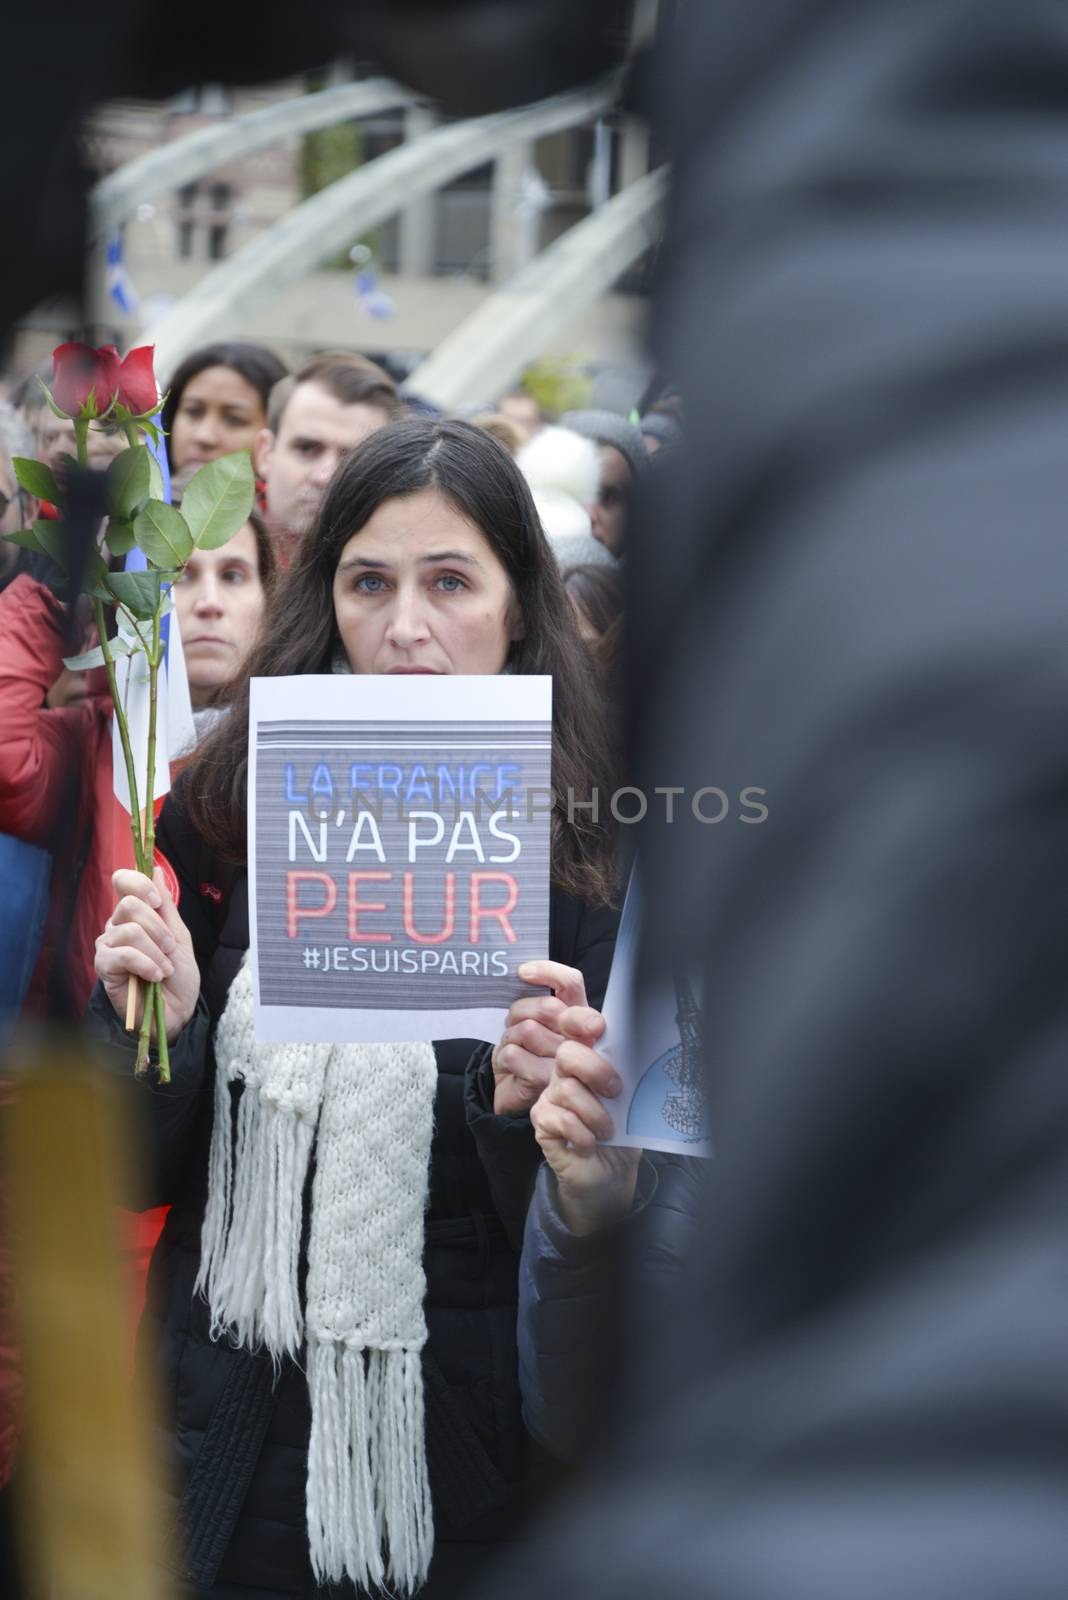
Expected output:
{"points": [[236, 1438]]}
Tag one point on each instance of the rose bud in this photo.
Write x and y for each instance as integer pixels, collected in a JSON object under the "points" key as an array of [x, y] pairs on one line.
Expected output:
{"points": [[80, 372], [137, 382]]}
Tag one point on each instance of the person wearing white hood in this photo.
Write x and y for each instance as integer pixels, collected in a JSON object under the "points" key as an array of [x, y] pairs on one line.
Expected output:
{"points": [[564, 471]]}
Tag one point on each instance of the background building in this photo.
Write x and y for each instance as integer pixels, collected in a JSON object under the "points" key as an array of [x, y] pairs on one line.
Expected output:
{"points": [[399, 290]]}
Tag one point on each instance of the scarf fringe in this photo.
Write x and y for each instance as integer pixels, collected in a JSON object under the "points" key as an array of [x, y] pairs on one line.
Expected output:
{"points": [[370, 1107], [220, 1198], [368, 1495], [250, 1246]]}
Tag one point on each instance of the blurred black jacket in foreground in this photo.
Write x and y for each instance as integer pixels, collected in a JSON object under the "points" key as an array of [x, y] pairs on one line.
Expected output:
{"points": [[859, 601]]}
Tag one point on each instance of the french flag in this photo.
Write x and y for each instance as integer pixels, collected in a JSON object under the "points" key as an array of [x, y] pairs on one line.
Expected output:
{"points": [[117, 279]]}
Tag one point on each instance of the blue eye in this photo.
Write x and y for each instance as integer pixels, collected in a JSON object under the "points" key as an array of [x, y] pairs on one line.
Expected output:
{"points": [[369, 583], [451, 583]]}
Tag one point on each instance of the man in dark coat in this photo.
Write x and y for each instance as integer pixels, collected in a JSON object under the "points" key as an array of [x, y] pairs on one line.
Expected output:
{"points": [[863, 610]]}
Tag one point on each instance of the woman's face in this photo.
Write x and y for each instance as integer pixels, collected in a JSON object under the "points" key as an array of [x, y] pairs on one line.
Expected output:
{"points": [[220, 602], [219, 412], [608, 512], [419, 589]]}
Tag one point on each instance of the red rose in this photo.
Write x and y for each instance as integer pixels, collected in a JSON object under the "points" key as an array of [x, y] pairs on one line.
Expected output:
{"points": [[137, 382], [80, 372]]}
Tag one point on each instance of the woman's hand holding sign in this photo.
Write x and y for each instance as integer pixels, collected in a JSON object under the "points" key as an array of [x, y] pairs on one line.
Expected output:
{"points": [[146, 937], [523, 1057], [595, 1181]]}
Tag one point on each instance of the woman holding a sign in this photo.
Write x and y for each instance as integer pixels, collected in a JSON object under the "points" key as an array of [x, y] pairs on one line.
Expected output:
{"points": [[335, 1292]]}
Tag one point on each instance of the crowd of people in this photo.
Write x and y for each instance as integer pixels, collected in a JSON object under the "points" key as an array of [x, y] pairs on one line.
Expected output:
{"points": [[852, 593], [385, 538]]}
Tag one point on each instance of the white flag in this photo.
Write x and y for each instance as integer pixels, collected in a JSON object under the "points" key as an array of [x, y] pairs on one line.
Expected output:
{"points": [[175, 729]]}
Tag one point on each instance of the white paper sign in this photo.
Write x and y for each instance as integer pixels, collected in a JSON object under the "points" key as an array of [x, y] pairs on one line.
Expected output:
{"points": [[654, 1042], [399, 835]]}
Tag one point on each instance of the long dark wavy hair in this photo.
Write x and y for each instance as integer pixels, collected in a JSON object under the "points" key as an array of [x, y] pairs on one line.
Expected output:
{"points": [[480, 479]]}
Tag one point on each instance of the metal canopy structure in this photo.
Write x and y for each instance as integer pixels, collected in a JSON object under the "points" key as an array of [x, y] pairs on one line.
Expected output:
{"points": [[490, 348], [353, 205], [116, 198]]}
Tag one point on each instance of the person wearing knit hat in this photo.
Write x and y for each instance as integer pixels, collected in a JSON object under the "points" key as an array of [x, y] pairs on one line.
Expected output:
{"points": [[609, 428], [623, 461], [659, 431]]}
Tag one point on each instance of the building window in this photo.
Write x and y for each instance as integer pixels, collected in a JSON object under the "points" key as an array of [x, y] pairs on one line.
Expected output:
{"points": [[205, 99], [213, 100], [202, 218], [185, 209]]}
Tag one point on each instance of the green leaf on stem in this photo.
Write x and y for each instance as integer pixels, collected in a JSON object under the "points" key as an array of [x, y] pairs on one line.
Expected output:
{"points": [[120, 536], [138, 591], [156, 490], [119, 646], [137, 636], [129, 481], [56, 412], [96, 570], [37, 479], [218, 499], [163, 535], [140, 419], [52, 541], [87, 660], [26, 539], [46, 538]]}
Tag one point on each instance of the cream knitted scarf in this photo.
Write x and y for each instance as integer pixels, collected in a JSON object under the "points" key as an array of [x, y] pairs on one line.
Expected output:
{"points": [[368, 1111]]}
